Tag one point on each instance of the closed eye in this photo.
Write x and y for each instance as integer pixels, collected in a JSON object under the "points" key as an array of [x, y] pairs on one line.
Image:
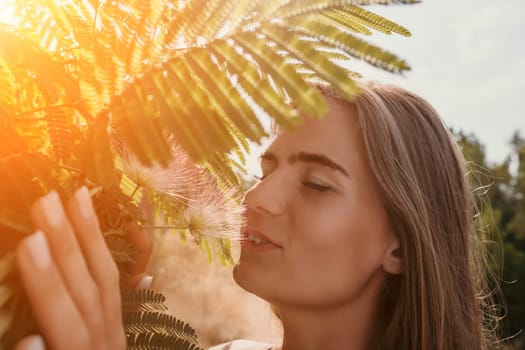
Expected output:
{"points": [[316, 186], [308, 184]]}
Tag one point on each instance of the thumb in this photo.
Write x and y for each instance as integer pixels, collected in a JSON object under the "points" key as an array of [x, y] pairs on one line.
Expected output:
{"points": [[31, 342]]}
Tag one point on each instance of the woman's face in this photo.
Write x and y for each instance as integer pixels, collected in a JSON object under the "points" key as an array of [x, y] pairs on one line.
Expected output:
{"points": [[316, 227]]}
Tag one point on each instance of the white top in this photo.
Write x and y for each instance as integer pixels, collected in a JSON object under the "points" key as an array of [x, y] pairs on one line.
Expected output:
{"points": [[242, 344]]}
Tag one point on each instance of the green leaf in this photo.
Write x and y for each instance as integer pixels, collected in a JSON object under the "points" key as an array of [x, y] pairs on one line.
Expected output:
{"points": [[370, 19], [309, 7], [96, 157], [306, 97], [143, 300], [225, 97], [213, 16], [340, 22], [196, 104], [238, 16], [313, 59], [8, 88], [349, 44], [256, 86], [155, 322], [136, 121], [61, 127], [171, 112], [347, 13], [51, 77], [159, 342]]}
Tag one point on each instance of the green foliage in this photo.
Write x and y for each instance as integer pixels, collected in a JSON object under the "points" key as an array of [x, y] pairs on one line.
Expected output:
{"points": [[147, 325], [501, 201], [147, 65], [150, 340], [144, 101], [143, 300]]}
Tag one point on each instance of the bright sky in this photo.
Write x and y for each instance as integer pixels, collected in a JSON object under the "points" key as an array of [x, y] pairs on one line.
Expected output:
{"points": [[468, 60]]}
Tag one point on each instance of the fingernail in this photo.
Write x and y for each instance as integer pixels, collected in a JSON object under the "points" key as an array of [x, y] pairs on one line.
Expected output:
{"points": [[52, 208], [34, 342], [84, 203], [144, 282], [39, 250]]}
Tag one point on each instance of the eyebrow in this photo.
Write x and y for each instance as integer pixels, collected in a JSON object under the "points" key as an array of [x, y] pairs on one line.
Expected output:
{"points": [[308, 158]]}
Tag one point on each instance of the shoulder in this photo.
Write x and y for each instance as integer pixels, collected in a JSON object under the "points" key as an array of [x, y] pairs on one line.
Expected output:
{"points": [[242, 344]]}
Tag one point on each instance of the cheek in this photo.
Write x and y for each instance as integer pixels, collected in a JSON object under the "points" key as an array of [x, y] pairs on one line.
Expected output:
{"points": [[334, 253], [349, 225]]}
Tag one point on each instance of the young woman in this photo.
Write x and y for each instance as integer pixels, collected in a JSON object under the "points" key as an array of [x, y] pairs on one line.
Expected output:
{"points": [[359, 233]]}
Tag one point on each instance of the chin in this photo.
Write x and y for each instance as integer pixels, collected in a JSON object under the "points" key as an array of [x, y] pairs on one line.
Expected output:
{"points": [[239, 275], [247, 280], [257, 277]]}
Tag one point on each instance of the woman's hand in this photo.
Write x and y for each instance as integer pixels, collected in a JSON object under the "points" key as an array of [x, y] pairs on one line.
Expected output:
{"points": [[70, 277]]}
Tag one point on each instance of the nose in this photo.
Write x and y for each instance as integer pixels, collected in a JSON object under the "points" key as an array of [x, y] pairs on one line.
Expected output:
{"points": [[267, 196]]}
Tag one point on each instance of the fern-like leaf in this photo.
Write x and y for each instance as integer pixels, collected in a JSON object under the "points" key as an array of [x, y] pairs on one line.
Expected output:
{"points": [[256, 85], [160, 323], [96, 157], [307, 7], [143, 300], [15, 50], [224, 96], [8, 89], [135, 120], [195, 103], [306, 52], [210, 19], [146, 341], [305, 96], [59, 120], [370, 19], [332, 18], [350, 44]]}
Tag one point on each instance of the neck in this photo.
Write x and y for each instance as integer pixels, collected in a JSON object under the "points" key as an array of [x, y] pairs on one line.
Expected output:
{"points": [[349, 325]]}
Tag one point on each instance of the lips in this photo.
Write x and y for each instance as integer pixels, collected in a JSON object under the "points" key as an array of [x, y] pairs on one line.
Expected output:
{"points": [[255, 237]]}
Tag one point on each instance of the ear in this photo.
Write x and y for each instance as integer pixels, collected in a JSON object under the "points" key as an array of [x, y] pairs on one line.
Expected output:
{"points": [[393, 259]]}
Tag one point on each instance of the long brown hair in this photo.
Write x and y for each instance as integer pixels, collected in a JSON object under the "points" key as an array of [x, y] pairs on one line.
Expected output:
{"points": [[439, 301]]}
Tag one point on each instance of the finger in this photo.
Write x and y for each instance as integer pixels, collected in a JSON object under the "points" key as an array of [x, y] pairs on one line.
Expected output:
{"points": [[144, 282], [32, 342], [142, 242], [100, 262], [50, 300], [138, 282], [48, 214]]}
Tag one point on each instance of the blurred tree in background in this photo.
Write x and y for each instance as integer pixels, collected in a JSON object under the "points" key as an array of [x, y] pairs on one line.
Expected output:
{"points": [[501, 201]]}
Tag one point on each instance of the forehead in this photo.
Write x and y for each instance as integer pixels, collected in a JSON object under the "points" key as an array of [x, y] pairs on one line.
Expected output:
{"points": [[336, 135]]}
